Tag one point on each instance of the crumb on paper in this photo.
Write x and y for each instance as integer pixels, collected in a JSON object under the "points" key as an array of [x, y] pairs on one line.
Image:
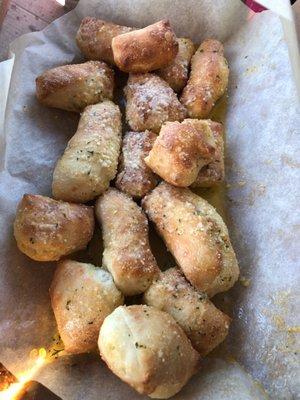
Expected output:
{"points": [[261, 189], [282, 298], [251, 70], [257, 191], [231, 359], [279, 322], [268, 162], [286, 160], [244, 281], [236, 184], [293, 329]]}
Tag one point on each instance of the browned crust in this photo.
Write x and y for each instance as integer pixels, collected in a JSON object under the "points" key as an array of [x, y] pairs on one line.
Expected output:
{"points": [[180, 150], [82, 295], [134, 177], [176, 73], [176, 219], [145, 49], [196, 236], [90, 159], [94, 38], [60, 77], [203, 323], [127, 253], [208, 79], [214, 172], [212, 46], [46, 229]]}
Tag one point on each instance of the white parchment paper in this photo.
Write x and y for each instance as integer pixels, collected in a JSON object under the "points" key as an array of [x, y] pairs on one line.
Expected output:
{"points": [[262, 124]]}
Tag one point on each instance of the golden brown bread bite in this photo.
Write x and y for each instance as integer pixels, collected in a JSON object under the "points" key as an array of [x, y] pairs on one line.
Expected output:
{"points": [[181, 150], [147, 49], [134, 177], [147, 349], [94, 38], [176, 74], [196, 236], [90, 160], [73, 87], [46, 229], [208, 79], [150, 103], [82, 295], [203, 323], [127, 254], [213, 172]]}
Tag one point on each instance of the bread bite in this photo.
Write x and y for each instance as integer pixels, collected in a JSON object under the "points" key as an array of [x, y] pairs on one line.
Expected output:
{"points": [[82, 295], [202, 322], [208, 79], [176, 74], [46, 229], [73, 87], [181, 150], [147, 349], [90, 159], [147, 49], [94, 38], [196, 236], [127, 254], [213, 173], [150, 102], [135, 178]]}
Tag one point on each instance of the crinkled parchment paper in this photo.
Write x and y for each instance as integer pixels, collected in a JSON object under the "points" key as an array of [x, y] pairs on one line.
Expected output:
{"points": [[262, 123]]}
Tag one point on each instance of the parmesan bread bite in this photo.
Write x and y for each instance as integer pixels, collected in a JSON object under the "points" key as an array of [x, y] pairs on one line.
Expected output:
{"points": [[150, 103], [147, 349], [90, 160], [46, 229], [181, 150], [134, 177], [196, 236], [82, 295], [73, 87], [176, 74], [145, 49], [127, 254], [213, 172], [203, 323], [208, 79], [94, 38]]}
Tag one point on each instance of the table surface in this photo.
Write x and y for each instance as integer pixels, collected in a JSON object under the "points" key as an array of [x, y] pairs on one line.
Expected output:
{"points": [[25, 16]]}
